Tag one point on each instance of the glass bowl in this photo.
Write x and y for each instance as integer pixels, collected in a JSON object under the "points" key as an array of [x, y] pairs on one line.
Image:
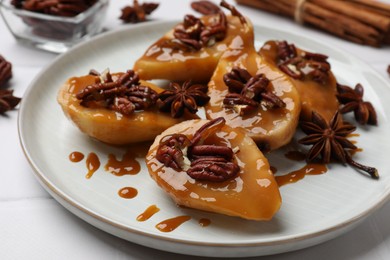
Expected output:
{"points": [[53, 33]]}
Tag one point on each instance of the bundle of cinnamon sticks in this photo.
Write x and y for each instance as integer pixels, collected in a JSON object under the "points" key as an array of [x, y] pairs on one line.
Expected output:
{"points": [[362, 21]]}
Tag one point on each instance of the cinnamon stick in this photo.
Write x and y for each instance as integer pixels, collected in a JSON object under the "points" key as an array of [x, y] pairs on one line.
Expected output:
{"points": [[360, 21]]}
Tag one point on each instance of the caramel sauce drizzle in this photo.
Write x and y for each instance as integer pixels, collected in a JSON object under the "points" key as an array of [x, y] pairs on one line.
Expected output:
{"points": [[93, 164], [148, 213], [76, 156], [127, 192], [204, 222], [171, 224], [309, 169], [128, 164]]}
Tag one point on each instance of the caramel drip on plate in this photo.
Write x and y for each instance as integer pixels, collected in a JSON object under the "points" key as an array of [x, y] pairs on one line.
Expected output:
{"points": [[171, 224], [76, 156], [127, 192], [204, 222], [93, 164], [128, 164], [148, 213], [309, 169]]}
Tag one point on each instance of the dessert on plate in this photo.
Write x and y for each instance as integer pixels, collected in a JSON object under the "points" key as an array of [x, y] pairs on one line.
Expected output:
{"points": [[116, 108], [208, 165], [311, 74], [191, 50], [254, 96]]}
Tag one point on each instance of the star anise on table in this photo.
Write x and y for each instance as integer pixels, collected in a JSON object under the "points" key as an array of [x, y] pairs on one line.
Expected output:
{"points": [[329, 141], [179, 98], [5, 71], [247, 92], [203, 162], [7, 100], [352, 100], [299, 66], [138, 12], [124, 95]]}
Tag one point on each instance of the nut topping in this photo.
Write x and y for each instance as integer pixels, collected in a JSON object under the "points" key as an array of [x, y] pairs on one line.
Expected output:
{"points": [[124, 95], [247, 92], [312, 65], [204, 162], [205, 7]]}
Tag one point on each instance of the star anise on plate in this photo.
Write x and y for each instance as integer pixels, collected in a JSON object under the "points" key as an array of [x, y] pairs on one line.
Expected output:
{"points": [[247, 92], [138, 12], [179, 98], [5, 71], [352, 100], [7, 100], [124, 95], [330, 141]]}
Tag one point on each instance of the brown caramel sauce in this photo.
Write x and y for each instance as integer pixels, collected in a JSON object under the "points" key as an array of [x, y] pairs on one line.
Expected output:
{"points": [[295, 156], [171, 224], [309, 169], [92, 163], [148, 213], [128, 164], [76, 156], [127, 192], [204, 222]]}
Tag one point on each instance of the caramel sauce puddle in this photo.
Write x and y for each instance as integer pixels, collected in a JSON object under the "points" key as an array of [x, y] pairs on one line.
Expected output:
{"points": [[148, 213], [76, 156], [127, 192], [171, 224], [309, 169], [93, 164]]}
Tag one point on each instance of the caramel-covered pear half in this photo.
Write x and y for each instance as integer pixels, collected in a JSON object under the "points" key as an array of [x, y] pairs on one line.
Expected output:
{"points": [[270, 126], [164, 60], [110, 126], [250, 194], [315, 96]]}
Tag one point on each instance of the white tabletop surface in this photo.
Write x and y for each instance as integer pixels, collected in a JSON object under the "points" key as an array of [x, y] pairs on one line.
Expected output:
{"points": [[34, 226]]}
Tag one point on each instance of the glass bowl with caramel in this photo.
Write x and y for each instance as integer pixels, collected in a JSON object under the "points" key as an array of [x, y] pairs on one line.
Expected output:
{"points": [[54, 25]]}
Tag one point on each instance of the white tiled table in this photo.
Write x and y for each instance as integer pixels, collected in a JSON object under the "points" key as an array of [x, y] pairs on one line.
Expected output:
{"points": [[34, 226]]}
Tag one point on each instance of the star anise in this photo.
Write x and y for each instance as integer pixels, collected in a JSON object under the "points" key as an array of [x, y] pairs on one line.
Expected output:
{"points": [[307, 64], [138, 12], [7, 100], [124, 95], [204, 162], [352, 99], [5, 71], [330, 141], [183, 97], [247, 91]]}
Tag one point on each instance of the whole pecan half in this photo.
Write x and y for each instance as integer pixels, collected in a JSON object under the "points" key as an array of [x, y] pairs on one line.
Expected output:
{"points": [[205, 7], [206, 162], [124, 95], [247, 92], [311, 65]]}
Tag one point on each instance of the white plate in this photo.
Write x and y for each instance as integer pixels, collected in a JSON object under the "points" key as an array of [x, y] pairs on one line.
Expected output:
{"points": [[314, 209]]}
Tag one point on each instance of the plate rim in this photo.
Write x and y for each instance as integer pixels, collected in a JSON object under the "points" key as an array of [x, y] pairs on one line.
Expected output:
{"points": [[381, 200]]}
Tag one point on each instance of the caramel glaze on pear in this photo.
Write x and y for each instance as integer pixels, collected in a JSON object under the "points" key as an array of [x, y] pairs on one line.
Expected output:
{"points": [[252, 194], [161, 62], [314, 96], [269, 128], [110, 126]]}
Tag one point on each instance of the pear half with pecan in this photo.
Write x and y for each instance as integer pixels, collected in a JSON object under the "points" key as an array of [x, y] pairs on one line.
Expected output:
{"points": [[207, 165], [191, 50], [311, 74], [251, 95], [116, 108]]}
